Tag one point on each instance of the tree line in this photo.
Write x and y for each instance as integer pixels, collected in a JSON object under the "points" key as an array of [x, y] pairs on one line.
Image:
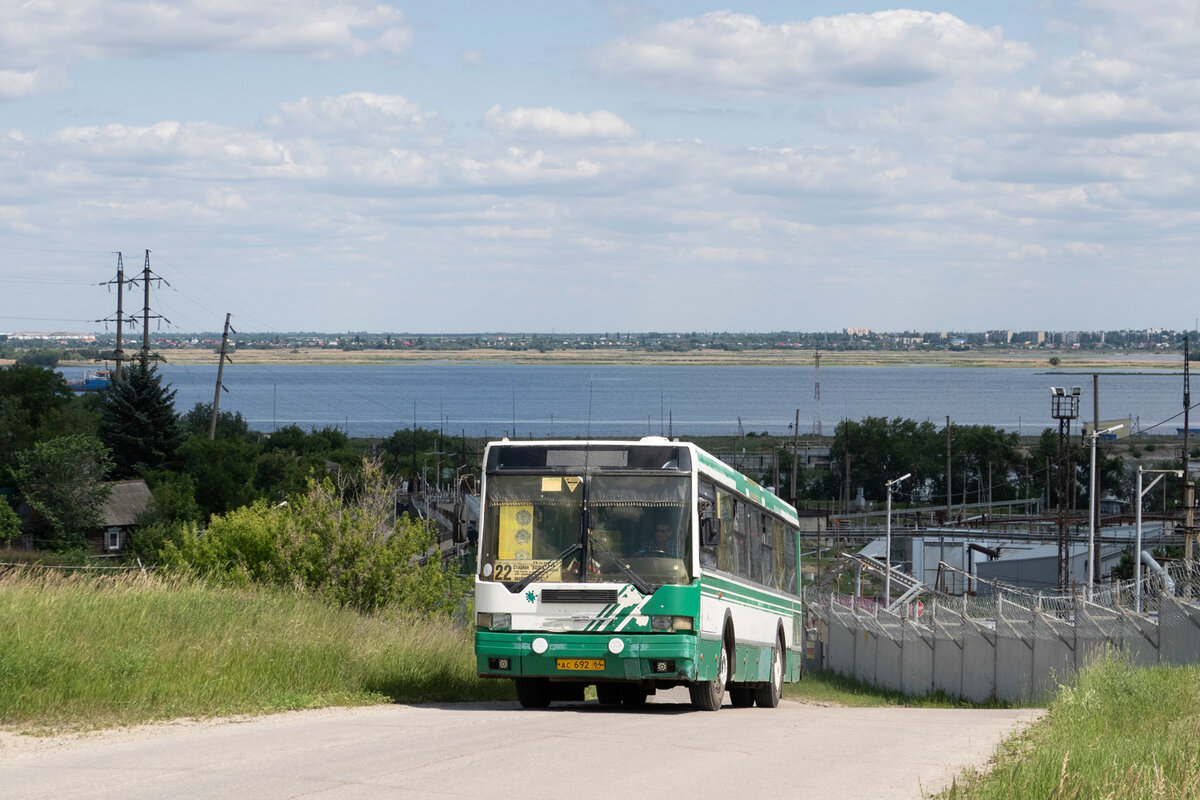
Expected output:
{"points": [[293, 508], [985, 463]]}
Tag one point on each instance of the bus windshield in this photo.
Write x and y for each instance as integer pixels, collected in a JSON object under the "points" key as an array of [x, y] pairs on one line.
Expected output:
{"points": [[631, 527]]}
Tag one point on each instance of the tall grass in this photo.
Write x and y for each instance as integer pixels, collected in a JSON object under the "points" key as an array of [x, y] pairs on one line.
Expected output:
{"points": [[1117, 731], [88, 651], [827, 686]]}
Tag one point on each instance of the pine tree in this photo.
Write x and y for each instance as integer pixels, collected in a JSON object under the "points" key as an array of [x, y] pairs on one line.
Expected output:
{"points": [[138, 422]]}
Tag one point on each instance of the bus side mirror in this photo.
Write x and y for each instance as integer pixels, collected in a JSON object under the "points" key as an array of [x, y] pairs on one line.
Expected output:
{"points": [[710, 531]]}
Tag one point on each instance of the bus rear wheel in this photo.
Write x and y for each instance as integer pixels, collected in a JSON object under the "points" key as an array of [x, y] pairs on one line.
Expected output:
{"points": [[767, 695], [533, 692], [708, 695]]}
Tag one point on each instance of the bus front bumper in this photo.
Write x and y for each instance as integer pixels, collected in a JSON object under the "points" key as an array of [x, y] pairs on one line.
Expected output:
{"points": [[591, 657]]}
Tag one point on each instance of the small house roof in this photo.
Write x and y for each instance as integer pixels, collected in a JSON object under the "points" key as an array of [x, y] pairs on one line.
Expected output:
{"points": [[127, 501]]}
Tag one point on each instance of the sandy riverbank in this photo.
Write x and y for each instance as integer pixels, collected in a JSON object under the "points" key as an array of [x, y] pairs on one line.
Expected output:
{"points": [[1068, 361]]}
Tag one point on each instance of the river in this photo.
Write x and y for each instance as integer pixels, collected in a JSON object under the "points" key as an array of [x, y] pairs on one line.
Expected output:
{"points": [[607, 401]]}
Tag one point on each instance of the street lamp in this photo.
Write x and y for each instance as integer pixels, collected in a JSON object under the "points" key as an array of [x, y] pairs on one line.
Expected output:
{"points": [[887, 555], [1093, 506], [1137, 555]]}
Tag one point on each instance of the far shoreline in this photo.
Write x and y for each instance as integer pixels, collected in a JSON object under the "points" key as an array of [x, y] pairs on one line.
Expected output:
{"points": [[1068, 361]]}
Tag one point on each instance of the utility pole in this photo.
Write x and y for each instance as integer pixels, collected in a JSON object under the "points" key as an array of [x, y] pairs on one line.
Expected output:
{"points": [[144, 355], [949, 483], [1094, 500], [795, 448], [212, 426], [1188, 488], [118, 351], [816, 394]]}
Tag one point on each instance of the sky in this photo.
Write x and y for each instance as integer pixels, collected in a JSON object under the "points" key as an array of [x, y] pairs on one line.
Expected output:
{"points": [[608, 166]]}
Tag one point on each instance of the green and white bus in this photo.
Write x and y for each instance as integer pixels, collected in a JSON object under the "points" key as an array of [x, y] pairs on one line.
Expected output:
{"points": [[634, 566]]}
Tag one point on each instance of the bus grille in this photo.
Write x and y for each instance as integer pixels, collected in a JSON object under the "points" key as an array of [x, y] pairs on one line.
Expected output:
{"points": [[579, 596]]}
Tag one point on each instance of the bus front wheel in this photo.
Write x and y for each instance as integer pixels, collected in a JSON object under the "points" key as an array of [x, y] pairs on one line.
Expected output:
{"points": [[708, 695]]}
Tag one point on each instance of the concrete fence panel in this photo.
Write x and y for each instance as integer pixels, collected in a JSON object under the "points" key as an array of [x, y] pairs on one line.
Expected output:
{"points": [[979, 665], [917, 669]]}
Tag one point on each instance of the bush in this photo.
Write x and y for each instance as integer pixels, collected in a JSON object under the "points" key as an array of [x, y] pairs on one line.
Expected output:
{"points": [[10, 523], [341, 542]]}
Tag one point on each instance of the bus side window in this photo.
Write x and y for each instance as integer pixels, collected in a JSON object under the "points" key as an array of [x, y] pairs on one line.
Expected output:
{"points": [[754, 544], [739, 540], [726, 560], [789, 560], [779, 566], [710, 520]]}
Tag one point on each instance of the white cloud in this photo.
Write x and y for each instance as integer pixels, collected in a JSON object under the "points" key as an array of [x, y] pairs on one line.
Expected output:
{"points": [[475, 57], [358, 114], [725, 52], [551, 123], [59, 32], [16, 83]]}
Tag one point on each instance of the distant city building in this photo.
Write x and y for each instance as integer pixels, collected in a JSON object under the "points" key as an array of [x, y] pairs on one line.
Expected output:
{"points": [[56, 336]]}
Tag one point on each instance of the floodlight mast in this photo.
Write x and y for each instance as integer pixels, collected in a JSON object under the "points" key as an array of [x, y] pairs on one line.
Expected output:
{"points": [[887, 547], [1092, 510]]}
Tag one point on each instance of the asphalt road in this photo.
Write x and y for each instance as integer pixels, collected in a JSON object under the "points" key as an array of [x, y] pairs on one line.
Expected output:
{"points": [[568, 752]]}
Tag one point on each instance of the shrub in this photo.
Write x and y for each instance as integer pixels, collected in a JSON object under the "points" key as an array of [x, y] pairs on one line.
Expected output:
{"points": [[340, 541]]}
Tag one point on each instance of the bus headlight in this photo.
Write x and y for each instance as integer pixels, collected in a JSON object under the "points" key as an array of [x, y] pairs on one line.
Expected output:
{"points": [[493, 622], [664, 622]]}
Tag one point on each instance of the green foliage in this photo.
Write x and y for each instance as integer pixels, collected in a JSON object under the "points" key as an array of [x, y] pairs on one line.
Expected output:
{"points": [[1116, 730], [32, 400], [198, 421], [222, 470], [827, 686], [341, 542], [62, 482], [39, 357], [174, 498], [138, 422], [87, 651], [880, 450], [10, 523], [278, 475]]}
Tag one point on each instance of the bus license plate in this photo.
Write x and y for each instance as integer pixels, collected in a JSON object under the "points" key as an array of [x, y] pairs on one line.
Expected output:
{"points": [[581, 664]]}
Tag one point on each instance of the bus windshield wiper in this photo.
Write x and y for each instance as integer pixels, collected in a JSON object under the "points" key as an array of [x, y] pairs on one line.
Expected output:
{"points": [[642, 585], [545, 568]]}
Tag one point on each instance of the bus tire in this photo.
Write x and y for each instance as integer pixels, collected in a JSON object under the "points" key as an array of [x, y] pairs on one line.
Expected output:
{"points": [[767, 695], [609, 694], [533, 692], [741, 696], [708, 695]]}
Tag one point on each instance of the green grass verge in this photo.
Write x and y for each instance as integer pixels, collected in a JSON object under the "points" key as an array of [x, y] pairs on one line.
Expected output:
{"points": [[1117, 731], [81, 651], [833, 689]]}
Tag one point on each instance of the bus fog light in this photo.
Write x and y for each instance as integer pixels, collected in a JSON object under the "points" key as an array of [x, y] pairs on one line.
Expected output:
{"points": [[663, 666], [483, 620], [540, 645], [501, 622], [616, 646], [499, 664], [683, 624]]}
